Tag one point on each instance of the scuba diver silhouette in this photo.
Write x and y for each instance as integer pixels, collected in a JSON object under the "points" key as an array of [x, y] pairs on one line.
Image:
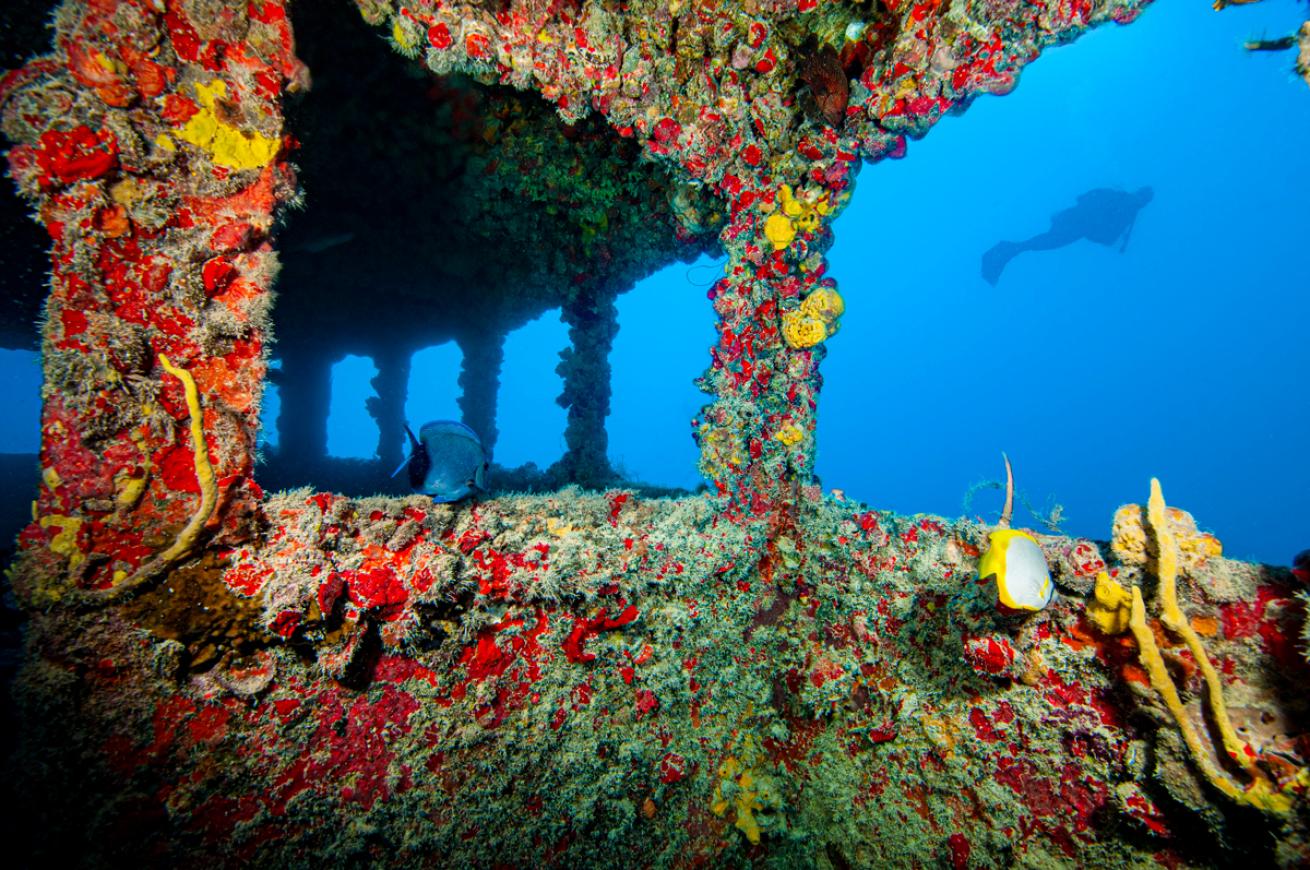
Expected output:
{"points": [[1102, 215]]}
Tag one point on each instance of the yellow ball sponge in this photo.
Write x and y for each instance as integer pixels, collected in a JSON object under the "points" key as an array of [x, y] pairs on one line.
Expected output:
{"points": [[1128, 537], [825, 304], [802, 330], [779, 230]]}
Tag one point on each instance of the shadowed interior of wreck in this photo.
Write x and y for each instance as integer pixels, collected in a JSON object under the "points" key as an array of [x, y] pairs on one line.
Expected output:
{"points": [[24, 258], [442, 209]]}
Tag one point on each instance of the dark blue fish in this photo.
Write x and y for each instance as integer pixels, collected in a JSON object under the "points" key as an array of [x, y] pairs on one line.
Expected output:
{"points": [[447, 461], [1301, 566]]}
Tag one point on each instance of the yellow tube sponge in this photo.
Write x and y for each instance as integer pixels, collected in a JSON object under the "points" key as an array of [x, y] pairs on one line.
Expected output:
{"points": [[1149, 655], [204, 470], [208, 497], [1174, 620], [1106, 611], [1261, 793]]}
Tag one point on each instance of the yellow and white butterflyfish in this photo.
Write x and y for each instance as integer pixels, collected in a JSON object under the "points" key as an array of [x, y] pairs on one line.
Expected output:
{"points": [[1023, 581]]}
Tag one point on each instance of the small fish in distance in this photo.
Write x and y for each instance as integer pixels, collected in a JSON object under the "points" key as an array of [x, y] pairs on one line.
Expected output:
{"points": [[1301, 566], [447, 461], [1282, 43]]}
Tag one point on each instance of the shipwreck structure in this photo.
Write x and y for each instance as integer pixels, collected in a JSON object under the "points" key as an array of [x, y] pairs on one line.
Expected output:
{"points": [[585, 676]]}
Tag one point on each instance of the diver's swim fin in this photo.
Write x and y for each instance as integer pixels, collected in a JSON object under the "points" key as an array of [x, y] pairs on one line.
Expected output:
{"points": [[995, 260], [1128, 234]]}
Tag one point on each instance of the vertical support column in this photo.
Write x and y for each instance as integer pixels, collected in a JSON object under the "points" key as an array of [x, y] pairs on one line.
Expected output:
{"points": [[585, 367], [151, 385], [479, 383], [757, 436], [388, 407]]}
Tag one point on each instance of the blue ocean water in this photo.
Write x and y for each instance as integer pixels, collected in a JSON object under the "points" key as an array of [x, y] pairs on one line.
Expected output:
{"points": [[20, 425], [1183, 357]]}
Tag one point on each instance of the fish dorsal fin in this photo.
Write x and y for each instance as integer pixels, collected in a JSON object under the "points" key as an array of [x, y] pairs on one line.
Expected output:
{"points": [[1008, 511], [449, 427]]}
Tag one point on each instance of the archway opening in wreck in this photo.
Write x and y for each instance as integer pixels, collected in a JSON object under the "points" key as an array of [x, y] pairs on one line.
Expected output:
{"points": [[351, 431], [20, 433], [438, 211], [270, 409], [20, 379], [530, 420], [433, 391], [651, 414]]}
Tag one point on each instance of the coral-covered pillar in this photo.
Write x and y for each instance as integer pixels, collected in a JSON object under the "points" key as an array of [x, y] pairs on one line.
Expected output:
{"points": [[593, 322], [156, 156], [388, 407], [776, 309], [479, 382], [306, 397]]}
